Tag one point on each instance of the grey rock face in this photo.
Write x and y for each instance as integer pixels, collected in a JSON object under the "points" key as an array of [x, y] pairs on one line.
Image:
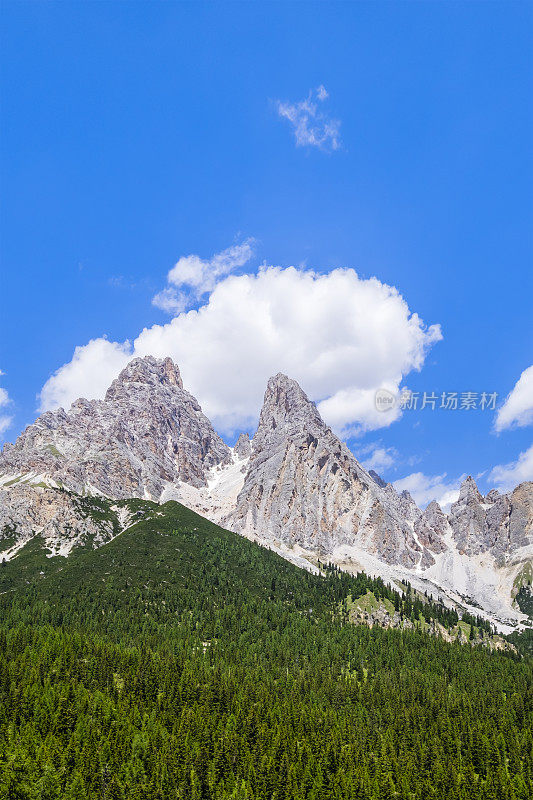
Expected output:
{"points": [[521, 517], [377, 478], [61, 519], [382, 618], [147, 431], [467, 518], [431, 526], [304, 486], [501, 524], [243, 446]]}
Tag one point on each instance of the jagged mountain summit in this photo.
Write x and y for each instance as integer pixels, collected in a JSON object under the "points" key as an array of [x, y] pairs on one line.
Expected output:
{"points": [[147, 432], [497, 522], [295, 487], [304, 486]]}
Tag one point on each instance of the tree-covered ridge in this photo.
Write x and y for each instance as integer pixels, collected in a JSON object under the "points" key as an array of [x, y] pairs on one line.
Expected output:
{"points": [[173, 555], [182, 661], [524, 600]]}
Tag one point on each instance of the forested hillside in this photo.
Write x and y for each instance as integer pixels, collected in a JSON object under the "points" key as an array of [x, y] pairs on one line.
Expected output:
{"points": [[182, 661]]}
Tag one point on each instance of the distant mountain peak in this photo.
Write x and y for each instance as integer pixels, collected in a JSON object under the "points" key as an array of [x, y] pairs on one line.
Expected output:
{"points": [[146, 433], [377, 478], [285, 393], [469, 489], [243, 446], [286, 411], [146, 371]]}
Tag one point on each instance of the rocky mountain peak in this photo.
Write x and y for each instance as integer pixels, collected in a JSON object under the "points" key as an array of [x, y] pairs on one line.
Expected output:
{"points": [[377, 478], [497, 522], [433, 510], [284, 393], [469, 491], [146, 433], [304, 486], [145, 372], [286, 411], [243, 446]]}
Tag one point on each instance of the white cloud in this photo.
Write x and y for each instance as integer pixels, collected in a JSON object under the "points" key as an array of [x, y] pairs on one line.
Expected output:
{"points": [[170, 300], [517, 411], [425, 488], [192, 277], [352, 411], [90, 372], [380, 458], [5, 400], [340, 336], [506, 476], [312, 126]]}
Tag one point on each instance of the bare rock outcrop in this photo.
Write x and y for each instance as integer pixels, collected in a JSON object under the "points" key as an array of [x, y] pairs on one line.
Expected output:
{"points": [[499, 523], [61, 519], [303, 486], [430, 528], [147, 432], [243, 446]]}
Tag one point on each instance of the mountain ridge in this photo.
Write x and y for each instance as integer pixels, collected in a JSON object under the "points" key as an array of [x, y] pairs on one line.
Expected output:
{"points": [[294, 486], [147, 431]]}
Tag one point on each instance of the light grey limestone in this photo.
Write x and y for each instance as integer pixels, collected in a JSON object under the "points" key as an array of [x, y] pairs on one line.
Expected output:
{"points": [[148, 431], [304, 486]]}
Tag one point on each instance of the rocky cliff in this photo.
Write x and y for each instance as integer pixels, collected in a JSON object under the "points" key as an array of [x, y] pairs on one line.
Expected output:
{"points": [[304, 486], [497, 523], [147, 432]]}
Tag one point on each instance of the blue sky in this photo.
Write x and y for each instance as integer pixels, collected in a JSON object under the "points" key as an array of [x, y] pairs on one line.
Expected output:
{"points": [[138, 134]]}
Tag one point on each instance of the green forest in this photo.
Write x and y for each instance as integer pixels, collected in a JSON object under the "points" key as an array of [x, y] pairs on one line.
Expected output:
{"points": [[183, 661]]}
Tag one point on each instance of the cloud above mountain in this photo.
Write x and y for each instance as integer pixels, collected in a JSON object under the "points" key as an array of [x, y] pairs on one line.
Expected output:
{"points": [[517, 411], [88, 374], [377, 457], [425, 488], [340, 336], [192, 277], [5, 400], [506, 476]]}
